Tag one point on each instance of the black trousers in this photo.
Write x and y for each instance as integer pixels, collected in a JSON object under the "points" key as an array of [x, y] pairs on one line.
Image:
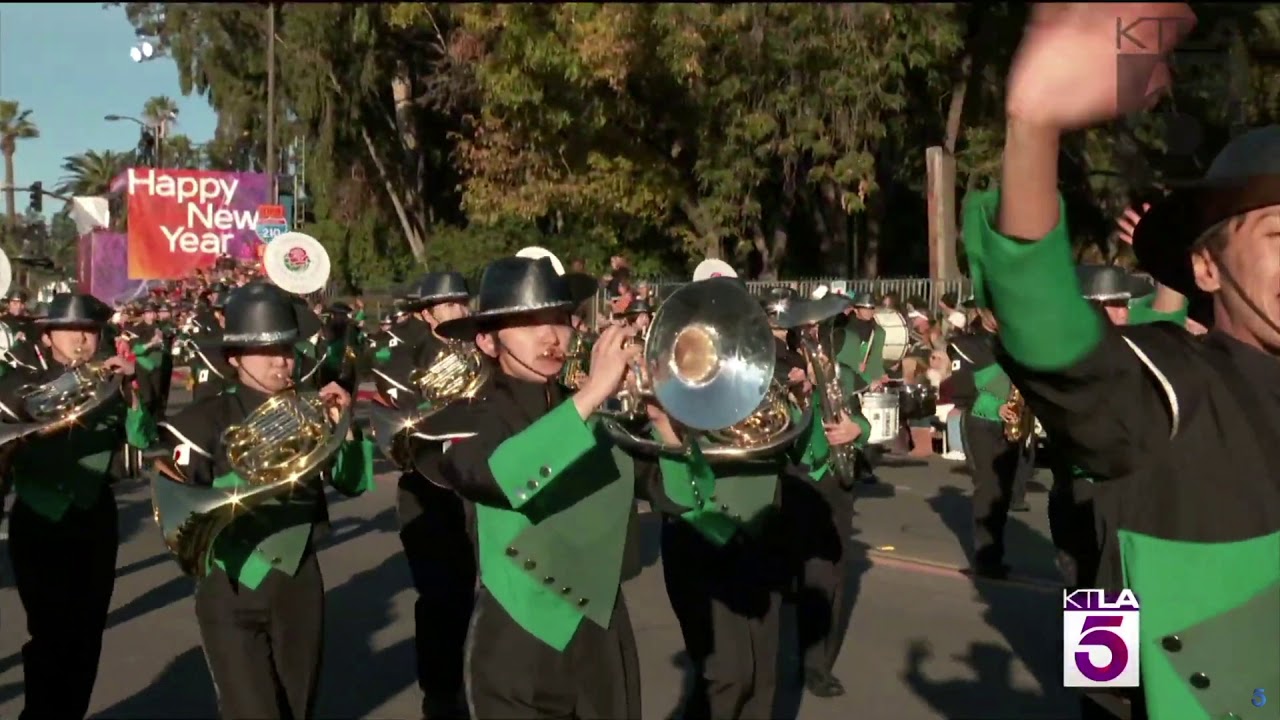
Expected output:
{"points": [[65, 572], [1073, 528], [727, 600], [512, 675], [264, 646], [819, 517], [434, 529], [151, 392], [1000, 471]]}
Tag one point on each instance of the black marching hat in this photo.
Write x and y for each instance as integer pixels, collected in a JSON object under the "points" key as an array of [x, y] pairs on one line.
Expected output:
{"points": [[260, 314], [639, 306], [74, 310], [777, 302], [510, 287], [1244, 176], [434, 288], [863, 299], [17, 294], [1108, 284]]}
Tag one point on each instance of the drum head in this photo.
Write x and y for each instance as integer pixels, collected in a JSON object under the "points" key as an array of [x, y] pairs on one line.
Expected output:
{"points": [[533, 252], [897, 334], [6, 273], [711, 268], [297, 263]]}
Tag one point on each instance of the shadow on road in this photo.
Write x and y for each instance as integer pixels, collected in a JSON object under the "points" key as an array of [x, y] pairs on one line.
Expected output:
{"points": [[1029, 621], [182, 690]]}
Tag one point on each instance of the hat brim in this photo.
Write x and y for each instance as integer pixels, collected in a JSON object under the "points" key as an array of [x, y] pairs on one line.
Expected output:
{"points": [[413, 304], [53, 323], [308, 324], [466, 328], [581, 286], [1165, 235], [810, 312]]}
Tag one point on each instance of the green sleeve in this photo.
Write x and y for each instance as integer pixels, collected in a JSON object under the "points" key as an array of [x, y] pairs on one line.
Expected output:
{"points": [[382, 355], [229, 481], [557, 440], [142, 357], [875, 359], [139, 428], [1141, 312], [353, 468], [1044, 322]]}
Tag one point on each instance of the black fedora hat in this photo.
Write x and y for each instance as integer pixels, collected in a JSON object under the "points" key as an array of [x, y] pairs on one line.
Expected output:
{"points": [[777, 301], [510, 287], [74, 310], [1244, 176], [1105, 283], [639, 306], [260, 314], [863, 299], [435, 288], [810, 312]]}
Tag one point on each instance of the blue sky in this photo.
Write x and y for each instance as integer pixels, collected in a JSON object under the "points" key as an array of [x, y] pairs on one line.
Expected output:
{"points": [[69, 64]]}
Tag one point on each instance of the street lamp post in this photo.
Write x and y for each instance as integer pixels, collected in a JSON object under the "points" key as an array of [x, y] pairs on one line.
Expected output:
{"points": [[158, 129], [271, 103]]}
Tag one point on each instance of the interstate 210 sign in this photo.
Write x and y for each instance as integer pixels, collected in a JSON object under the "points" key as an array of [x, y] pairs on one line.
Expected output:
{"points": [[271, 222]]}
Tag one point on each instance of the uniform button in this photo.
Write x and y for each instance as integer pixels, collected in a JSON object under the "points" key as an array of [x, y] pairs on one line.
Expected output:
{"points": [[724, 508], [533, 484], [545, 471], [1172, 643], [548, 581], [276, 561], [582, 602], [711, 499], [512, 552], [530, 564], [736, 516], [523, 496], [1229, 716], [1199, 681], [565, 590]]}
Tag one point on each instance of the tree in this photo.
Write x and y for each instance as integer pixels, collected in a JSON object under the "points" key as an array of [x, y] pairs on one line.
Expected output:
{"points": [[15, 125], [182, 154], [91, 172]]}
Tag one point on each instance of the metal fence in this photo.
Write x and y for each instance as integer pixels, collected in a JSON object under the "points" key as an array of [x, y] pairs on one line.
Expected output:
{"points": [[929, 292]]}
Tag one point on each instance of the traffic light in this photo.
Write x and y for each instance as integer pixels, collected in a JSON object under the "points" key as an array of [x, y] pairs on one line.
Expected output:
{"points": [[37, 196]]}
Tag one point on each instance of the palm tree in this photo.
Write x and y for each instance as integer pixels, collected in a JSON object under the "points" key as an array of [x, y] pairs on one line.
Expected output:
{"points": [[91, 172], [160, 113], [15, 125], [182, 154]]}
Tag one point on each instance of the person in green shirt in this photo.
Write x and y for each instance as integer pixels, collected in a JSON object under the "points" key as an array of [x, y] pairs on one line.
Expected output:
{"points": [[1179, 431], [859, 341], [63, 532], [259, 596]]}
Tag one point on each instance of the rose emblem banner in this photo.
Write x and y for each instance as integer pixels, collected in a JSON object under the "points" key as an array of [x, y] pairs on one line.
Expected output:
{"points": [[180, 220]]}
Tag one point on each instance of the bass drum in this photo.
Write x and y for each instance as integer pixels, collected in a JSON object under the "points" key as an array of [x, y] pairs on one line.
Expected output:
{"points": [[897, 334]]}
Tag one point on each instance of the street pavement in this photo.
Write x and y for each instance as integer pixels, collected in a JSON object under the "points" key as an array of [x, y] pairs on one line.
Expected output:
{"points": [[924, 641]]}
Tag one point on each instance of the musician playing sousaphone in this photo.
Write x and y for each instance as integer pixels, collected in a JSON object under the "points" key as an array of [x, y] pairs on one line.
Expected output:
{"points": [[555, 497], [260, 596], [63, 533], [817, 502]]}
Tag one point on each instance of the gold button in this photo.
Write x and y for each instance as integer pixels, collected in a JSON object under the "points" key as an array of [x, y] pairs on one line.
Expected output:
{"points": [[512, 552], [582, 602], [565, 590], [724, 508], [545, 471], [533, 484], [530, 564], [548, 580], [276, 561]]}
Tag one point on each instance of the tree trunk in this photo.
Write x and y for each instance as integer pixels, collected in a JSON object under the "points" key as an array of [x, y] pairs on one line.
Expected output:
{"points": [[704, 227], [414, 233], [10, 200], [956, 111], [875, 208]]}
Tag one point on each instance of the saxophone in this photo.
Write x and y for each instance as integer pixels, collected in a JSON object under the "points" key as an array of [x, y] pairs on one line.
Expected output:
{"points": [[1023, 423], [828, 392]]}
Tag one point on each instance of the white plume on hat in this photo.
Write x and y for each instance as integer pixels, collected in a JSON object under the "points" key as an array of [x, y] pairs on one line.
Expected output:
{"points": [[711, 268], [533, 252]]}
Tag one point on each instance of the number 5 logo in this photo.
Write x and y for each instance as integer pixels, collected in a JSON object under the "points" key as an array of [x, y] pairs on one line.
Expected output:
{"points": [[1093, 634], [1259, 698]]}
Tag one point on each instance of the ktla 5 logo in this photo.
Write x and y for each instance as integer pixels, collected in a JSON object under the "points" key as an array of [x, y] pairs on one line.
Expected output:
{"points": [[1099, 639]]}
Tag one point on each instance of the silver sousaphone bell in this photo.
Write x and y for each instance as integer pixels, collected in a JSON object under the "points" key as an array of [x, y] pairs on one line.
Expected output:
{"points": [[708, 361]]}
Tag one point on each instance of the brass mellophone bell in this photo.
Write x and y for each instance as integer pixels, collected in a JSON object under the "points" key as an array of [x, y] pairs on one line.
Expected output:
{"points": [[60, 403], [708, 361], [288, 439]]}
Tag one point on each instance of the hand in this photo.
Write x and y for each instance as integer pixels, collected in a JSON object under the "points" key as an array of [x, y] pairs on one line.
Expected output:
{"points": [[1007, 414], [120, 366], [337, 399], [609, 364], [1128, 222], [796, 376], [1068, 74], [879, 383], [1196, 328], [843, 431]]}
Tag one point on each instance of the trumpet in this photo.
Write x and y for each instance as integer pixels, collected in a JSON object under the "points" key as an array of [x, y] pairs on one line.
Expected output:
{"points": [[1024, 423], [708, 361], [289, 438], [459, 371]]}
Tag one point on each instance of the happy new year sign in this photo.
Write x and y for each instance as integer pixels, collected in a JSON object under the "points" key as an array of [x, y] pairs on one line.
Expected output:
{"points": [[180, 220]]}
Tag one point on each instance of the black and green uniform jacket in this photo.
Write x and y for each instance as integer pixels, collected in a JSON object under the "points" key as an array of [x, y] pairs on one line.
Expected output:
{"points": [[554, 501], [409, 345], [148, 357], [53, 473], [279, 534], [984, 385], [210, 371], [26, 342], [857, 340], [1181, 432]]}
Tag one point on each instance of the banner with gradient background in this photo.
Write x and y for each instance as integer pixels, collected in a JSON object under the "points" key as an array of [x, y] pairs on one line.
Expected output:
{"points": [[104, 271], [181, 220]]}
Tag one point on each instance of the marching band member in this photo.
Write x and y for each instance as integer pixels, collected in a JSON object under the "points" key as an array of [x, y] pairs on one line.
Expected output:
{"points": [[1000, 468], [261, 604], [818, 503], [866, 358], [553, 507], [335, 349], [725, 563], [25, 349], [149, 349], [63, 531], [435, 298], [1179, 430], [210, 372]]}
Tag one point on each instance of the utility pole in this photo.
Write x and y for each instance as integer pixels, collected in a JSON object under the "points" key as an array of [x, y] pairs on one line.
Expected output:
{"points": [[271, 103]]}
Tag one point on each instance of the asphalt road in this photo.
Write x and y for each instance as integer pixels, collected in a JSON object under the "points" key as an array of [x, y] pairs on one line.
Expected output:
{"points": [[924, 642]]}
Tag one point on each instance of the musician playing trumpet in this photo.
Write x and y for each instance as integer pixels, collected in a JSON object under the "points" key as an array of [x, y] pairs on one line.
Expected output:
{"points": [[260, 596], [63, 533]]}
